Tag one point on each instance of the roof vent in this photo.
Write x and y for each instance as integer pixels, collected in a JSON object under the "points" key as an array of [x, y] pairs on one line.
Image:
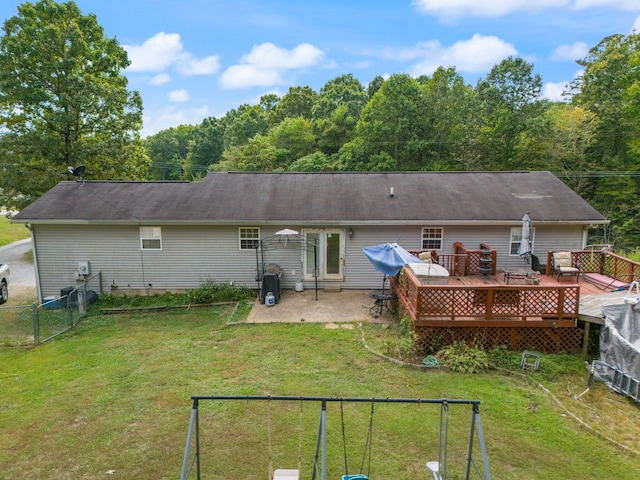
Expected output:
{"points": [[391, 192]]}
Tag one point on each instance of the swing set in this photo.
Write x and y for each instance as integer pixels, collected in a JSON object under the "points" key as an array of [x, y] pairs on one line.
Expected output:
{"points": [[438, 468]]}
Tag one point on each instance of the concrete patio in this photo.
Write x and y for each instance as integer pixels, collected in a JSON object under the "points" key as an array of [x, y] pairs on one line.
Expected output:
{"points": [[330, 307]]}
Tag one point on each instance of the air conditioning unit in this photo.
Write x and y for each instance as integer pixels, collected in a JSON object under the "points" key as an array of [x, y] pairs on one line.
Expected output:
{"points": [[83, 268]]}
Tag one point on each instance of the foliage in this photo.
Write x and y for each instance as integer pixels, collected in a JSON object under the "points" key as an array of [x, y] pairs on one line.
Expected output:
{"points": [[167, 151], [293, 138], [391, 128], [501, 357], [463, 358], [343, 91], [441, 123], [509, 97], [259, 154], [152, 300], [297, 102], [402, 345], [243, 124], [632, 254], [315, 162], [609, 90], [63, 102], [208, 292], [205, 149]]}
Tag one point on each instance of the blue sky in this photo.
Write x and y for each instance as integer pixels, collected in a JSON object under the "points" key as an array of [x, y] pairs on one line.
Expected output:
{"points": [[197, 58]]}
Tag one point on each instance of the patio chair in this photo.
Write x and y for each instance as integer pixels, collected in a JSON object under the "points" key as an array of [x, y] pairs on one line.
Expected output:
{"points": [[564, 265]]}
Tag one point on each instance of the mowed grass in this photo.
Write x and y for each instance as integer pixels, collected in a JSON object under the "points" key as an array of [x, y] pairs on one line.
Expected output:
{"points": [[113, 399], [10, 232]]}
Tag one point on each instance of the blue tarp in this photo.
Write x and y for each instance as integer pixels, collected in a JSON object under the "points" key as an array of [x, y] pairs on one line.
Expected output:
{"points": [[389, 258]]}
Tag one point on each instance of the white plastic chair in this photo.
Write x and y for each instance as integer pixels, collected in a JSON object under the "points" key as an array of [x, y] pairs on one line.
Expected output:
{"points": [[434, 468], [286, 474]]}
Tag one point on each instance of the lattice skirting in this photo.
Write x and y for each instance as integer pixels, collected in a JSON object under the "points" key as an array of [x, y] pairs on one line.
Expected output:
{"points": [[540, 339]]}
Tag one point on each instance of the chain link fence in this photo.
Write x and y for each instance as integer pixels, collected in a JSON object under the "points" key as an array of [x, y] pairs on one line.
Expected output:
{"points": [[16, 325], [34, 324]]}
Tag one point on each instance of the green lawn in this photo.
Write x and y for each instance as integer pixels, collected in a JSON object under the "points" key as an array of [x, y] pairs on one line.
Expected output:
{"points": [[10, 232], [112, 399]]}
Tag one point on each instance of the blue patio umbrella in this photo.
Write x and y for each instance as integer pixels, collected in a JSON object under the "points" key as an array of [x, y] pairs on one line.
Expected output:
{"points": [[389, 258]]}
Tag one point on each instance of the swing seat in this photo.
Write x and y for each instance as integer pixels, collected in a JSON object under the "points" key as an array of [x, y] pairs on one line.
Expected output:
{"points": [[434, 467], [357, 476], [286, 474]]}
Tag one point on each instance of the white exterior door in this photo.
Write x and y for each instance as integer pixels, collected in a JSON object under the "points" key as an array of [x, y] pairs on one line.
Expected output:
{"points": [[327, 246]]}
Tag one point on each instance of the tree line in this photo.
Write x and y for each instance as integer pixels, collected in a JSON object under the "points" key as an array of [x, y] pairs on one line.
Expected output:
{"points": [[64, 102], [441, 123]]}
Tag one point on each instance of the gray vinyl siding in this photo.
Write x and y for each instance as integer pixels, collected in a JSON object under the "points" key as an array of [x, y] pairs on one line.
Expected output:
{"points": [[189, 256], [193, 254]]}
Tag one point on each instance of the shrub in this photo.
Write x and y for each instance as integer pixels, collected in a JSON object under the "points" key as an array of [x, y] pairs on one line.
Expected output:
{"points": [[210, 292], [501, 357], [207, 292], [463, 358], [403, 345]]}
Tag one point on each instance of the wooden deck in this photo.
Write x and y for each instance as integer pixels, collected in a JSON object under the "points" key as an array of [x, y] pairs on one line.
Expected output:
{"points": [[592, 298], [540, 314]]}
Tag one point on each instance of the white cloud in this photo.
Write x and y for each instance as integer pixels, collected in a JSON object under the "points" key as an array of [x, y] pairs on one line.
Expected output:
{"points": [[619, 4], [178, 95], [482, 8], [553, 91], [164, 51], [188, 65], [168, 117], [478, 54], [155, 54], [266, 64], [636, 25], [269, 56], [243, 76], [574, 51], [160, 79], [498, 8]]}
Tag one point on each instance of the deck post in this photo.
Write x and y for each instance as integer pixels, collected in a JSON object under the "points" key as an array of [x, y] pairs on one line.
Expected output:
{"points": [[585, 338]]}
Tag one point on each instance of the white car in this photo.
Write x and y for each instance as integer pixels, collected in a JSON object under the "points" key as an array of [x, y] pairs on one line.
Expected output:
{"points": [[4, 282]]}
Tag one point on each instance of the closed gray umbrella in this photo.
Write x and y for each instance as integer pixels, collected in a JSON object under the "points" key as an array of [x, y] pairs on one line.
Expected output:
{"points": [[525, 244]]}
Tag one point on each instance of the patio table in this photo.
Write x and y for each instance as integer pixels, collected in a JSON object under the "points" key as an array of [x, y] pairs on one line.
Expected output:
{"points": [[383, 300], [520, 274]]}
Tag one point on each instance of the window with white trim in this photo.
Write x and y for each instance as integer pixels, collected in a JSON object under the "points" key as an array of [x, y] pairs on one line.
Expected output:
{"points": [[516, 239], [150, 238], [249, 238], [432, 238]]}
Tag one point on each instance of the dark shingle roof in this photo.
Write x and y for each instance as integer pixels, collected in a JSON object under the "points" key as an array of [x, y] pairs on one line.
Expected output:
{"points": [[308, 198]]}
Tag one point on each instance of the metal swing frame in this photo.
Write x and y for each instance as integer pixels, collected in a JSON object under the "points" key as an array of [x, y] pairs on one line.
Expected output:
{"points": [[191, 459]]}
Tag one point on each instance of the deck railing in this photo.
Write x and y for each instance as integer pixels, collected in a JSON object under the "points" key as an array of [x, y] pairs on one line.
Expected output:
{"points": [[487, 305], [473, 262], [603, 262], [455, 263]]}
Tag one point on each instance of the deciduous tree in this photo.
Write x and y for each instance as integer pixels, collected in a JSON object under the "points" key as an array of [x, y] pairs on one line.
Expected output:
{"points": [[63, 102]]}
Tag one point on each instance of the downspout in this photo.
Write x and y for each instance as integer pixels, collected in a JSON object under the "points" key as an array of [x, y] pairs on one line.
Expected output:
{"points": [[585, 237]]}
